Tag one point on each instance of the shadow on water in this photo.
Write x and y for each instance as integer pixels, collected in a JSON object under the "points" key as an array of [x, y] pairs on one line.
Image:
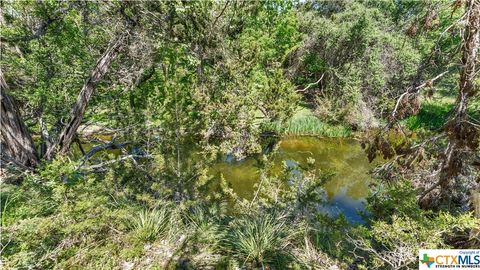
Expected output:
{"points": [[345, 192]]}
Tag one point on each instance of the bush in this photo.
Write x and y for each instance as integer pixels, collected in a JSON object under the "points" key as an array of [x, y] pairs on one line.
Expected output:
{"points": [[260, 239], [399, 227], [148, 225]]}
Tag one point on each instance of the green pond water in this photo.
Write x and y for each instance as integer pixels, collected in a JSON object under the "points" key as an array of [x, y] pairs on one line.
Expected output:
{"points": [[345, 192]]}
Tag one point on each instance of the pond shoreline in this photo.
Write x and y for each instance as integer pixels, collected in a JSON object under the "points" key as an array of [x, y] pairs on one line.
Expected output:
{"points": [[345, 192]]}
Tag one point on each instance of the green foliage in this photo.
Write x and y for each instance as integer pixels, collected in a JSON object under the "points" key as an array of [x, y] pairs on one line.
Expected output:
{"points": [[364, 65], [207, 232], [395, 200], [329, 236], [259, 239], [61, 169], [200, 79], [394, 244], [148, 225], [399, 227], [307, 126], [48, 71], [432, 116]]}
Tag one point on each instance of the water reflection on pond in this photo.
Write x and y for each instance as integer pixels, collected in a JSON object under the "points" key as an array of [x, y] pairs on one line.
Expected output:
{"points": [[345, 192]]}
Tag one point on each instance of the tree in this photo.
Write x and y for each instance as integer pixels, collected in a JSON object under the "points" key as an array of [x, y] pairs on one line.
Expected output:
{"points": [[463, 134], [76, 116], [16, 139], [436, 162], [16, 143]]}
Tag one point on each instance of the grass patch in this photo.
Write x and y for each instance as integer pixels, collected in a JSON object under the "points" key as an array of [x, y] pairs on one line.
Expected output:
{"points": [[307, 125], [474, 108], [432, 116]]}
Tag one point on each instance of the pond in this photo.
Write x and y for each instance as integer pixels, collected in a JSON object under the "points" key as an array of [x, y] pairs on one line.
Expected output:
{"points": [[345, 192]]}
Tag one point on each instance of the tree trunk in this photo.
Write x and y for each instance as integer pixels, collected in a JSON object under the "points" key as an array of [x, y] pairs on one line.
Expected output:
{"points": [[76, 115], [461, 133], [16, 143]]}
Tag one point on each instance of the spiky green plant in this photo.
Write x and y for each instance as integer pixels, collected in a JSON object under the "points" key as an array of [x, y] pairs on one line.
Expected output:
{"points": [[259, 239], [149, 224], [206, 232]]}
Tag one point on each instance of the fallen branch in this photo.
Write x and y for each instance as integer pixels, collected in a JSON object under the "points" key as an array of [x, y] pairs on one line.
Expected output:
{"points": [[311, 84], [102, 147], [103, 164], [221, 13], [77, 140]]}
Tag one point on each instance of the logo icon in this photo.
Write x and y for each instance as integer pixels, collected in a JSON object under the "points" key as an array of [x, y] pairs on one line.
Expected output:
{"points": [[427, 260], [466, 259]]}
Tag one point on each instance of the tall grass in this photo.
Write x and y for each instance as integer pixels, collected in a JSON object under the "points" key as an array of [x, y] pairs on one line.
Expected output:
{"points": [[307, 125], [259, 239]]}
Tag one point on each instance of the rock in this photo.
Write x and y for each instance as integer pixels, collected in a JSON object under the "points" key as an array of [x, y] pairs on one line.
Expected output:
{"points": [[127, 265]]}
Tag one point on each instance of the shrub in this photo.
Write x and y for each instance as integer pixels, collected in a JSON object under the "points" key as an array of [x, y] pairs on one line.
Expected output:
{"points": [[148, 225], [260, 239], [207, 232]]}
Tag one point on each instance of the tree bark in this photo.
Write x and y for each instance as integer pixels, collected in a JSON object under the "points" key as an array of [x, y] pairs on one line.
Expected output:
{"points": [[76, 115], [16, 143]]}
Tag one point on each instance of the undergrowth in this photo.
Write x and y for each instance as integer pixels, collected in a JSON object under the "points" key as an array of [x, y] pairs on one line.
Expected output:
{"points": [[103, 222]]}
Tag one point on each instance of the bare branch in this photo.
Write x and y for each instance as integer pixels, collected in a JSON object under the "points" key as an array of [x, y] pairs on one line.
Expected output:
{"points": [[102, 147], [311, 84], [103, 164]]}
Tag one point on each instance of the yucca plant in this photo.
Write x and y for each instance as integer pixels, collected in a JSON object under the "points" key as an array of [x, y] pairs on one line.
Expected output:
{"points": [[259, 239], [206, 231], [149, 224]]}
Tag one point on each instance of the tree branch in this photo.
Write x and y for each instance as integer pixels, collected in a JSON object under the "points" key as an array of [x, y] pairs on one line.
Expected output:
{"points": [[413, 90], [311, 84]]}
